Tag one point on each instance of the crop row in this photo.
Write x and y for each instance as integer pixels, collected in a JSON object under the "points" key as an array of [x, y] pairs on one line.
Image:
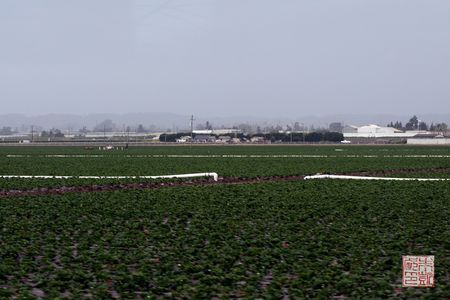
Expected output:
{"points": [[301, 239], [234, 149], [272, 160]]}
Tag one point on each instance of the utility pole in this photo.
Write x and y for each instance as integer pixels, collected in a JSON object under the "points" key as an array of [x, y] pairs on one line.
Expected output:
{"points": [[292, 129], [192, 126], [303, 134], [32, 133]]}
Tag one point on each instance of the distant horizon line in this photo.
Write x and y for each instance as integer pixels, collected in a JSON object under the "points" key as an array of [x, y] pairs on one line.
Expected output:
{"points": [[319, 115]]}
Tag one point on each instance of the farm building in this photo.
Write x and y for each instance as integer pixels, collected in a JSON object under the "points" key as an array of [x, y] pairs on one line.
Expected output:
{"points": [[438, 140], [218, 131], [223, 139], [375, 131], [184, 139], [257, 139], [350, 129], [204, 138]]}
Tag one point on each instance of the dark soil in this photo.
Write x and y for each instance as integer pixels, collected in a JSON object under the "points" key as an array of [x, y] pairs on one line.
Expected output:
{"points": [[195, 182]]}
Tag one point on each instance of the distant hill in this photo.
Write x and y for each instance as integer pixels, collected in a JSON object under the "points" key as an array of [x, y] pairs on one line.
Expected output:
{"points": [[163, 121]]}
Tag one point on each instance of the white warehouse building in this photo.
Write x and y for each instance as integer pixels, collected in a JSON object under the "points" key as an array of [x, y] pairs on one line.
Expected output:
{"points": [[375, 131]]}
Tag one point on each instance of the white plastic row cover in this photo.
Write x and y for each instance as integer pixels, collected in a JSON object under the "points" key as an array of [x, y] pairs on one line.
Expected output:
{"points": [[326, 176], [211, 174]]}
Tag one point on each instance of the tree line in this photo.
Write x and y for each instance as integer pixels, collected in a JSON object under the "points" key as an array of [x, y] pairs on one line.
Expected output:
{"points": [[415, 124], [294, 137]]}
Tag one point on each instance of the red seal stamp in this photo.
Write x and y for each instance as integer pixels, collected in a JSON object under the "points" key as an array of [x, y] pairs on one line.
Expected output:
{"points": [[418, 271]]}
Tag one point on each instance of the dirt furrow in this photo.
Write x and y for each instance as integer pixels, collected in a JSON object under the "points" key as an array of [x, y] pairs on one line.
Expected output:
{"points": [[197, 182]]}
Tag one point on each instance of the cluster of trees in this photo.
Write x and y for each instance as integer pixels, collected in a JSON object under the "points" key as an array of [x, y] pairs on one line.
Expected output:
{"points": [[206, 126], [53, 133], [110, 126], [441, 127], [6, 131], [106, 126], [252, 129], [295, 137], [415, 124], [274, 137], [171, 137]]}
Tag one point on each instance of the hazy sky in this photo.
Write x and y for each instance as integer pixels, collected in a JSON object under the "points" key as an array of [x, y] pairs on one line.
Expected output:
{"points": [[225, 57]]}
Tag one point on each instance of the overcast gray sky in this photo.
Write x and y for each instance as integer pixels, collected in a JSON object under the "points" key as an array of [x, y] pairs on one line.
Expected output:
{"points": [[225, 57]]}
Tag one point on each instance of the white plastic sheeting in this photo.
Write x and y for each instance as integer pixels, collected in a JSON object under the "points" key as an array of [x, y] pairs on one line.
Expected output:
{"points": [[326, 176], [211, 174]]}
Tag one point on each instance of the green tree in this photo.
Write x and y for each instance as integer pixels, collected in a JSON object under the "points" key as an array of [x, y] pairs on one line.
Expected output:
{"points": [[140, 129], [412, 124], [6, 131], [423, 126], [106, 126], [441, 127]]}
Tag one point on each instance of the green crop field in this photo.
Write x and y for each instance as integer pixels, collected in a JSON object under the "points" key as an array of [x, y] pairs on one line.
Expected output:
{"points": [[317, 239]]}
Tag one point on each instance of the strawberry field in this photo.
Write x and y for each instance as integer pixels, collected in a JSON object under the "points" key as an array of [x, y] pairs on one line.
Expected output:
{"points": [[227, 161], [274, 239]]}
